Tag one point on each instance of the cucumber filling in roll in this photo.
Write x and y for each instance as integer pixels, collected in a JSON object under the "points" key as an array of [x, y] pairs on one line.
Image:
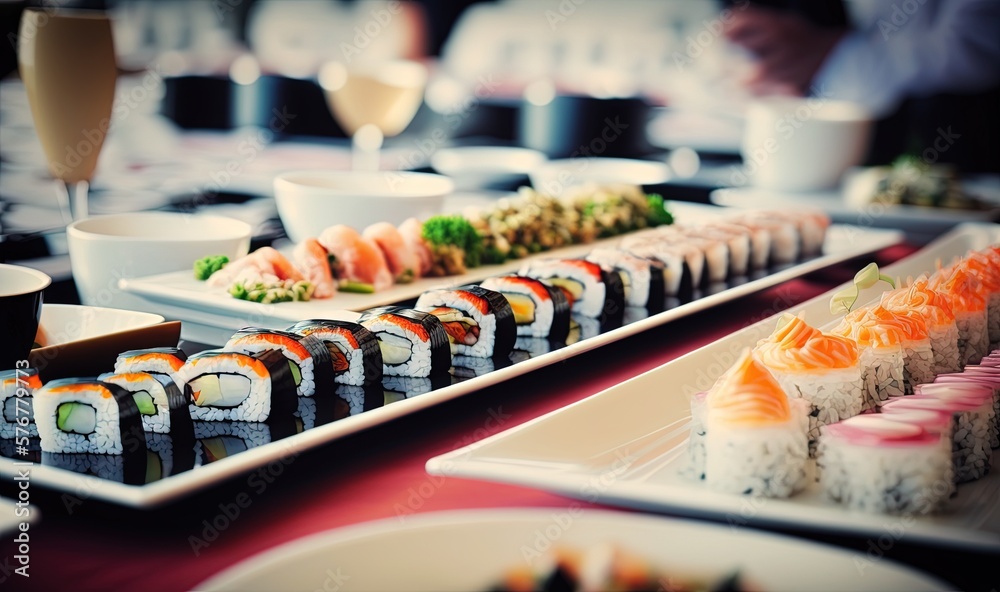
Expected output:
{"points": [[219, 390], [144, 401], [396, 350], [76, 418]]}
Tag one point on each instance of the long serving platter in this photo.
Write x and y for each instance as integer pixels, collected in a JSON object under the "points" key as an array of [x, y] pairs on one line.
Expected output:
{"points": [[176, 292], [627, 445]]}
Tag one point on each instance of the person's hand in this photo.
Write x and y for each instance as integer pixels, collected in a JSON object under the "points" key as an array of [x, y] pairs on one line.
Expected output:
{"points": [[789, 49]]}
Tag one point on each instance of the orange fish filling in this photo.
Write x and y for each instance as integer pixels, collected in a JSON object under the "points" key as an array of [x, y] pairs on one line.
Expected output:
{"points": [[748, 396]]}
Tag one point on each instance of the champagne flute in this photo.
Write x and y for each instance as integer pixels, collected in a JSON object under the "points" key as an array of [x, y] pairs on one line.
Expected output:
{"points": [[372, 102], [67, 62]]}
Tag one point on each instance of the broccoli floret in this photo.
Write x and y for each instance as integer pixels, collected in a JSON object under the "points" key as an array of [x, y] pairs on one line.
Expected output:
{"points": [[206, 266], [658, 214], [455, 231]]}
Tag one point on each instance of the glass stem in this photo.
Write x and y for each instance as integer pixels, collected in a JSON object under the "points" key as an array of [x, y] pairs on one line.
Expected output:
{"points": [[74, 200]]}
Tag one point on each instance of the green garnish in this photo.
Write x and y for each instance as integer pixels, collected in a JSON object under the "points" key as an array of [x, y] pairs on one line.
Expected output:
{"points": [[206, 266], [455, 231], [356, 287], [844, 300], [658, 213], [406, 276], [281, 291]]}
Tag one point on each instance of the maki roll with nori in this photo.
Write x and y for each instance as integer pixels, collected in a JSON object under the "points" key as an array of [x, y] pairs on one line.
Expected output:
{"points": [[308, 358], [479, 322], [682, 265], [227, 385], [157, 360], [643, 278], [539, 310], [413, 343], [354, 350], [592, 291], [88, 416], [163, 406], [16, 389]]}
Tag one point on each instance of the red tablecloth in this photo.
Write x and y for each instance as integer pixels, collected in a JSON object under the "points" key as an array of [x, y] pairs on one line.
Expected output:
{"points": [[379, 473]]}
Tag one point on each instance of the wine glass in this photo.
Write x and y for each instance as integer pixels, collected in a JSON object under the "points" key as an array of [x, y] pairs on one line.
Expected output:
{"points": [[67, 62], [372, 102]]}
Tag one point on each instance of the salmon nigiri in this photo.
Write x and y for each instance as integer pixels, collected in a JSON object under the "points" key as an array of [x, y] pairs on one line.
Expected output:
{"points": [[403, 261], [412, 231], [314, 262]]}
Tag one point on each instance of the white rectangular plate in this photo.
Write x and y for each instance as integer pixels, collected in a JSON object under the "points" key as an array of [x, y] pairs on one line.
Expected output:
{"points": [[628, 444], [843, 243]]}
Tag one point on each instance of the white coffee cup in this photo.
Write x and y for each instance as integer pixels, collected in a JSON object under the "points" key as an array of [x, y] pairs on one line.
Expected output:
{"points": [[310, 201], [105, 249], [801, 144]]}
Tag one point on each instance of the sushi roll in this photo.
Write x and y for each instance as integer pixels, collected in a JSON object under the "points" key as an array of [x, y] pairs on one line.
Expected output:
{"points": [[985, 265], [971, 453], [643, 278], [16, 389], [163, 406], [881, 354], [234, 386], [592, 292], [756, 441], [479, 322], [714, 253], [758, 238], [308, 358], [84, 415], [354, 351], [413, 343], [357, 262], [811, 226], [969, 305], [918, 355], [681, 266], [977, 379], [157, 360], [935, 309], [823, 370], [403, 261], [539, 310], [783, 236], [875, 463], [736, 241], [696, 440]]}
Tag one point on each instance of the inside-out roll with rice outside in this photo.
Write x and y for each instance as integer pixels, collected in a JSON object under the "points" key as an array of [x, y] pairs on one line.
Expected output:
{"points": [[17, 416], [823, 370], [968, 302], [479, 322], [413, 343], [874, 463], [84, 415], [540, 310], [880, 350], [235, 386], [756, 442], [935, 309], [354, 350], [308, 358], [985, 266], [978, 380]]}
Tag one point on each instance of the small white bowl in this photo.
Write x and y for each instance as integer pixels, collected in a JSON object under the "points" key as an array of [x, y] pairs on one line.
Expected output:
{"points": [[556, 176], [66, 323], [105, 249], [479, 166], [311, 201]]}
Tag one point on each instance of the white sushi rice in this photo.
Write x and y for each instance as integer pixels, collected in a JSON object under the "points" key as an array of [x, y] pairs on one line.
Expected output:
{"points": [[419, 362], [673, 264], [355, 373], [883, 376], [944, 344], [106, 437], [487, 323], [831, 396], [783, 237], [152, 363], [737, 243], [886, 479], [973, 339], [696, 440], [918, 364], [544, 308], [759, 238], [971, 452], [591, 301], [252, 344], [768, 461], [257, 405], [159, 423], [635, 272]]}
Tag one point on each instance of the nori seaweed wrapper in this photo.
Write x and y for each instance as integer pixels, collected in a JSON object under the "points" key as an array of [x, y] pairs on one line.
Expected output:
{"points": [[133, 437], [439, 344], [284, 399], [657, 287], [560, 313], [323, 374], [181, 426], [371, 353], [506, 327], [614, 300]]}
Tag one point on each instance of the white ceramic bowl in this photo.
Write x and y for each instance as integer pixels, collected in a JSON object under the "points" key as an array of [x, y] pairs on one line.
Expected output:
{"points": [[556, 176], [478, 166], [105, 249], [310, 201]]}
